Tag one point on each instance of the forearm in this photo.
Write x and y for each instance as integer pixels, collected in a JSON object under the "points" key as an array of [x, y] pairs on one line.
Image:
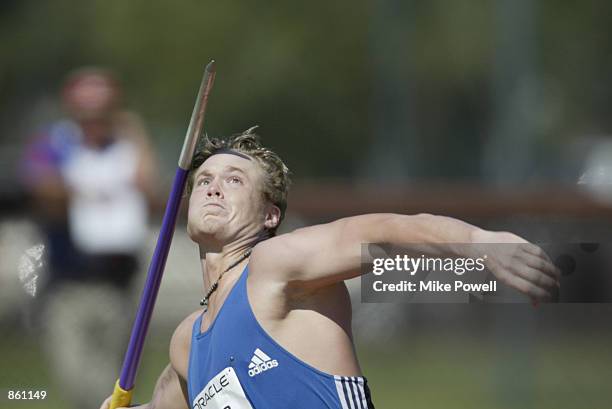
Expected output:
{"points": [[426, 232], [519, 264]]}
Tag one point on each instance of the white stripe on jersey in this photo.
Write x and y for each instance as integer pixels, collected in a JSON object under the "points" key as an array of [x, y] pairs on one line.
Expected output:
{"points": [[351, 392], [355, 395], [341, 396], [364, 404]]}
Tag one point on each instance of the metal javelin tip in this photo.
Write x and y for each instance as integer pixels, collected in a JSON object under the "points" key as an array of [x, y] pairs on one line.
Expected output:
{"points": [[197, 117]]}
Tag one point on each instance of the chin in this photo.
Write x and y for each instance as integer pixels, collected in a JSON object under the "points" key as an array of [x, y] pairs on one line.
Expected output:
{"points": [[207, 231]]}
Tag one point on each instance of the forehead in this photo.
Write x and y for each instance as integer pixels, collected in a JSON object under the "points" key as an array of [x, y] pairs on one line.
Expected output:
{"points": [[221, 162]]}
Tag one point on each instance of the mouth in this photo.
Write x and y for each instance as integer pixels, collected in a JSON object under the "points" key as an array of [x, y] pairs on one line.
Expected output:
{"points": [[213, 205]]}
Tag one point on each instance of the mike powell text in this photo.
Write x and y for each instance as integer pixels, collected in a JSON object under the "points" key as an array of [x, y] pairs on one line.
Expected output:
{"points": [[423, 264]]}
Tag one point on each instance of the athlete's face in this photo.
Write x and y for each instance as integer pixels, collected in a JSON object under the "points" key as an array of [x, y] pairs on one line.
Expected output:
{"points": [[227, 202]]}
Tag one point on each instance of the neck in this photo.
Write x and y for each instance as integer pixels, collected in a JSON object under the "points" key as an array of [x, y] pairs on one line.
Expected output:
{"points": [[216, 260]]}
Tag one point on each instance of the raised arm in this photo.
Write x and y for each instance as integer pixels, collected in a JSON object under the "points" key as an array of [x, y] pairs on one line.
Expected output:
{"points": [[324, 254]]}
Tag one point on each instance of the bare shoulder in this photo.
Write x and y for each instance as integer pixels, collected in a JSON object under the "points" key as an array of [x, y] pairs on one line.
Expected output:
{"points": [[307, 254], [287, 250], [309, 238], [180, 344], [275, 256]]}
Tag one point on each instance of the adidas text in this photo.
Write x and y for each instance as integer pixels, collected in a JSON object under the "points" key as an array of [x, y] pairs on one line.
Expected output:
{"points": [[263, 367], [261, 363]]}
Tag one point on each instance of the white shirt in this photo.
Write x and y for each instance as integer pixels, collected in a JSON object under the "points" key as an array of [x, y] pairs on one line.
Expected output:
{"points": [[107, 212]]}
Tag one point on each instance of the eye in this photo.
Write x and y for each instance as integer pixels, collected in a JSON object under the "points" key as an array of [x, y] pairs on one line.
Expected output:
{"points": [[234, 179], [203, 182]]}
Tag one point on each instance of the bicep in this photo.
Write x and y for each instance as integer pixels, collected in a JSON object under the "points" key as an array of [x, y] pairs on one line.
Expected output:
{"points": [[324, 254]]}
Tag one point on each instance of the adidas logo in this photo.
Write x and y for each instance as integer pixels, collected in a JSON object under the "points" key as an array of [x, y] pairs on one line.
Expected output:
{"points": [[261, 363]]}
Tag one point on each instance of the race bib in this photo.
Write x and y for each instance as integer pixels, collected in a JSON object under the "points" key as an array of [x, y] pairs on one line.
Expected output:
{"points": [[222, 392]]}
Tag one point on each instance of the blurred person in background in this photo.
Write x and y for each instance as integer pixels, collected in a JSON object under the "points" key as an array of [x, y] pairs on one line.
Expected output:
{"points": [[89, 177]]}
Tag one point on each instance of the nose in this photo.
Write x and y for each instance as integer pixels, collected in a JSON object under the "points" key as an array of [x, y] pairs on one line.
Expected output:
{"points": [[214, 191]]}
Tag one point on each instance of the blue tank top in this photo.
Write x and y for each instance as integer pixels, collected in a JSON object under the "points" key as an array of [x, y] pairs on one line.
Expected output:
{"points": [[235, 349]]}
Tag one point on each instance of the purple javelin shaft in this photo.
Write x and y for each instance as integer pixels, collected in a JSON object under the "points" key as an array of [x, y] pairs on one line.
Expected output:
{"points": [[156, 268], [154, 276]]}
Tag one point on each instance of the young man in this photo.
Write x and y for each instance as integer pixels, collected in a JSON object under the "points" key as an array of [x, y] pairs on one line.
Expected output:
{"points": [[276, 332]]}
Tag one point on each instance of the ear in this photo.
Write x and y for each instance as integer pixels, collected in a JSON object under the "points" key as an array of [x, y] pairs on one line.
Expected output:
{"points": [[273, 215]]}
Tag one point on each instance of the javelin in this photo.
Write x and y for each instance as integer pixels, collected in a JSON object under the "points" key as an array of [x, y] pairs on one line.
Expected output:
{"points": [[122, 394]]}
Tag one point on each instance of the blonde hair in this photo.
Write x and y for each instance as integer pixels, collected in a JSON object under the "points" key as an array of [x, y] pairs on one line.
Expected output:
{"points": [[276, 174]]}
